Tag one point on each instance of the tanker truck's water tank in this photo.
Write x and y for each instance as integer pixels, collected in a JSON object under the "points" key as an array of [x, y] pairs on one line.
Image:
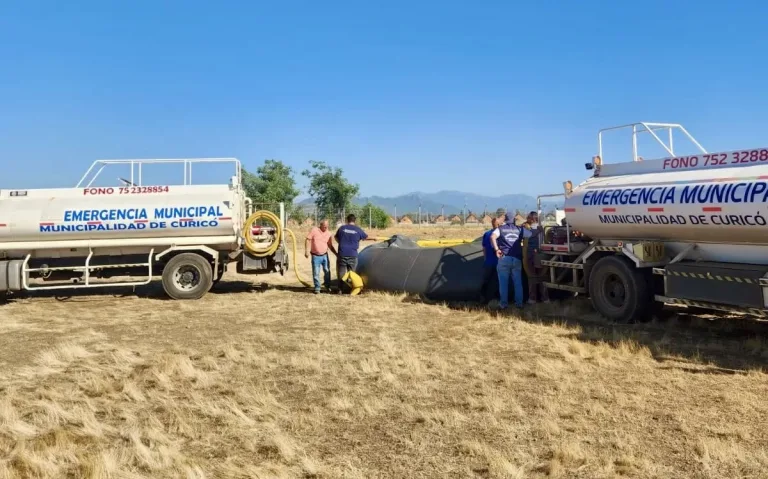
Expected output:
{"points": [[717, 198]]}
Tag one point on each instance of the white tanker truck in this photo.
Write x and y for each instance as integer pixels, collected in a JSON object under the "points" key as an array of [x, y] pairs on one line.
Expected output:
{"points": [[86, 236], [686, 230]]}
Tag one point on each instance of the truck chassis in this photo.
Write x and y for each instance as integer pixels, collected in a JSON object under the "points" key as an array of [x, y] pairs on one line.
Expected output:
{"points": [[631, 280]]}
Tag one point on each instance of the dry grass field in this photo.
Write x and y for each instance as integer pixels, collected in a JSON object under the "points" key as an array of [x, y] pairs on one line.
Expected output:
{"points": [[265, 380]]}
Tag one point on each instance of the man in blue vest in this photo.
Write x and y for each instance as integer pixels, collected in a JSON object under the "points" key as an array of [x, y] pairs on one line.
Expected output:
{"points": [[490, 277], [507, 241]]}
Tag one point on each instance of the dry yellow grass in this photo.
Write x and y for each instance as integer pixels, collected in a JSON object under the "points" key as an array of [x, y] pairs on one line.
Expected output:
{"points": [[268, 381]]}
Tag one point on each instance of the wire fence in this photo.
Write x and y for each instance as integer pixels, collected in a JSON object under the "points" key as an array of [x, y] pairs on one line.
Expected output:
{"points": [[302, 215]]}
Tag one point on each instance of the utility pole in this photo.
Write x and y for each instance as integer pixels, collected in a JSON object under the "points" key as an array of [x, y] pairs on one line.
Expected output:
{"points": [[396, 220], [464, 212], [419, 214]]}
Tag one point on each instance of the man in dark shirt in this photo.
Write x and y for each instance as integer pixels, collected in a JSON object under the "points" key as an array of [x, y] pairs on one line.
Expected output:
{"points": [[490, 286], [348, 236], [534, 279]]}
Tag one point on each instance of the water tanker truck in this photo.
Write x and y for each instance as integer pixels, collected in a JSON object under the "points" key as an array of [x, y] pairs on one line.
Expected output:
{"points": [[127, 234], [684, 230]]}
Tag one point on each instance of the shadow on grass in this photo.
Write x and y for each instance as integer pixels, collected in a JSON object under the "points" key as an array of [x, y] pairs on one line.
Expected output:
{"points": [[296, 288], [711, 344], [153, 290], [714, 344]]}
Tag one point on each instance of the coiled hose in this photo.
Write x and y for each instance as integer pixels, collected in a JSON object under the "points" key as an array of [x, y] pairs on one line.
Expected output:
{"points": [[261, 251]]}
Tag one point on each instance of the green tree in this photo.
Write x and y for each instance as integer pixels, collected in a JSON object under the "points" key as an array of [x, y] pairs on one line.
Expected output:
{"points": [[272, 183], [297, 214], [328, 186], [373, 217]]}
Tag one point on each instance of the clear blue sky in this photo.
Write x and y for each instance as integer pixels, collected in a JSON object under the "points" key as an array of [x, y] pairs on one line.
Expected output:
{"points": [[486, 97]]}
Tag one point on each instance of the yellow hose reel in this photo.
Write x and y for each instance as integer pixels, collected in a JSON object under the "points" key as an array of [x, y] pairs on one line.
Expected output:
{"points": [[251, 245], [260, 250]]}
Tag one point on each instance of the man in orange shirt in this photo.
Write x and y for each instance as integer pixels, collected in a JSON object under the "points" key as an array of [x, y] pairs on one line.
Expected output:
{"points": [[320, 241]]}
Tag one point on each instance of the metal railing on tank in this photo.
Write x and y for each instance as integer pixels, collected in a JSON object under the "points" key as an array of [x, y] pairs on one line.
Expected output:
{"points": [[651, 129], [136, 176]]}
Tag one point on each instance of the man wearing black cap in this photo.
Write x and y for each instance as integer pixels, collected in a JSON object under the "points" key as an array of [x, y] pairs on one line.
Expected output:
{"points": [[507, 241]]}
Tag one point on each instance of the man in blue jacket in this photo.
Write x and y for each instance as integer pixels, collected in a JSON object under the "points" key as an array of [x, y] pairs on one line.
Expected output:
{"points": [[490, 276], [507, 241]]}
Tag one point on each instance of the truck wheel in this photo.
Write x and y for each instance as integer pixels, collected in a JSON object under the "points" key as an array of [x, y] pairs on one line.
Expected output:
{"points": [[619, 291], [187, 276]]}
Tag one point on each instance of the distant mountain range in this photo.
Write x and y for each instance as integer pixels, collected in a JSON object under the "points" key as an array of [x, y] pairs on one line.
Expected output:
{"points": [[452, 202]]}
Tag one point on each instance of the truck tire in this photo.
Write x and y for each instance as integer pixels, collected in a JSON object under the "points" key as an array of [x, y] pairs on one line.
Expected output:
{"points": [[187, 276], [619, 291]]}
